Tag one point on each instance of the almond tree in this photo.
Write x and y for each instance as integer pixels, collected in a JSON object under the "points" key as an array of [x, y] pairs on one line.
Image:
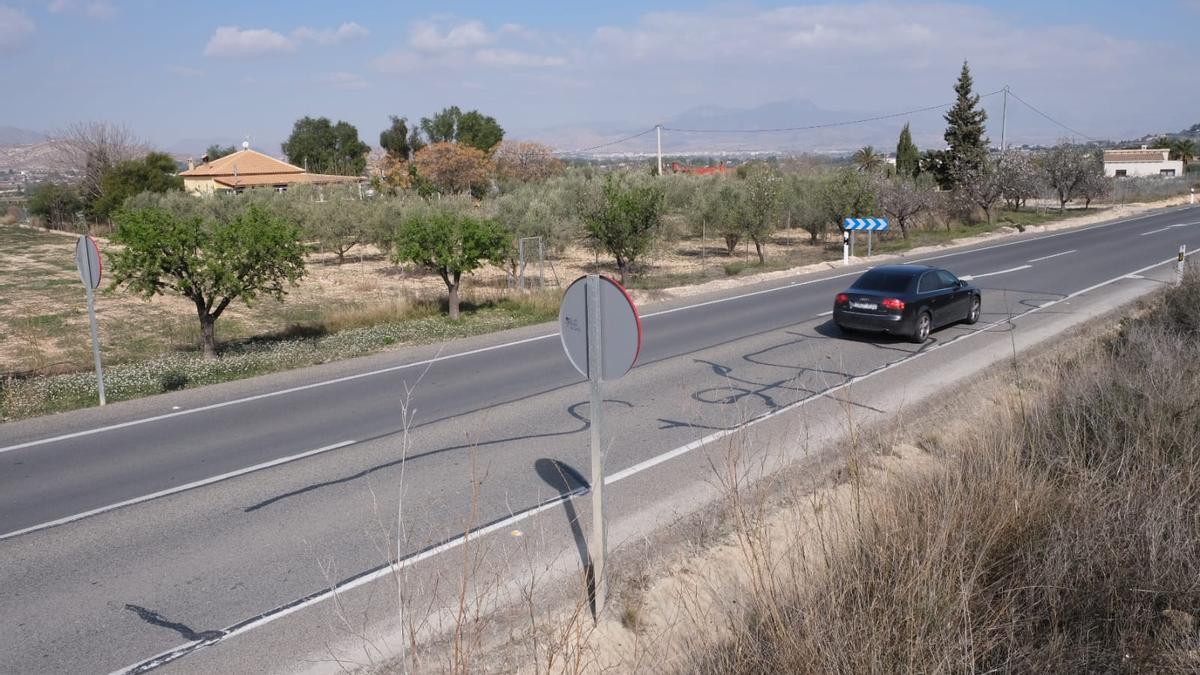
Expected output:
{"points": [[1067, 168], [1020, 178], [452, 242], [523, 161], [904, 199], [208, 259]]}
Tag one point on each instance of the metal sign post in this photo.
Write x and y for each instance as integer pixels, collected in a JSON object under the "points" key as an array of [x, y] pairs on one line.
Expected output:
{"points": [[602, 336], [595, 362], [87, 260]]}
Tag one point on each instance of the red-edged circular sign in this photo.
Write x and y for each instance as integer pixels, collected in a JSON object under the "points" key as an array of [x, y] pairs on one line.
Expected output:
{"points": [[620, 327]]}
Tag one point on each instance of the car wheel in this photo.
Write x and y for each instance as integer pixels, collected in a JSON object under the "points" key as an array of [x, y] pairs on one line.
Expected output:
{"points": [[973, 313], [924, 325]]}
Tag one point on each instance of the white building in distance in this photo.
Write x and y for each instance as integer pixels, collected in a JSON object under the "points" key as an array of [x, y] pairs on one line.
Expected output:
{"points": [[1142, 162]]}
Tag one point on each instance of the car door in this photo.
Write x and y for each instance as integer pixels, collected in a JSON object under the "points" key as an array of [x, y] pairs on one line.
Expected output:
{"points": [[959, 301], [932, 296]]}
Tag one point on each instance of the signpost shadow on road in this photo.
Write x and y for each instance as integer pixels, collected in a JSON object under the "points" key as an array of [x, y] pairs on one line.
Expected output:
{"points": [[566, 480]]}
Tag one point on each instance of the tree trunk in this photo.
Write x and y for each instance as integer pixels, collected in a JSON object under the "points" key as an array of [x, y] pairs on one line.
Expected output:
{"points": [[758, 249], [731, 242], [623, 271], [903, 228], [208, 336], [453, 291]]}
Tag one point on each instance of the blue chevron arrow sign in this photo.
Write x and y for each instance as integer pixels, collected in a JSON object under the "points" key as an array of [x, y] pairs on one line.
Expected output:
{"points": [[865, 224]]}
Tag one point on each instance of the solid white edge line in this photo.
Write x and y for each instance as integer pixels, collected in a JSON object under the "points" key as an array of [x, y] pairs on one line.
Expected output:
{"points": [[1047, 257], [390, 369], [174, 490], [618, 476], [826, 313]]}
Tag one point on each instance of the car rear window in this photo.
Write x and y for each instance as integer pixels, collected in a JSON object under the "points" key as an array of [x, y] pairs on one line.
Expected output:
{"points": [[885, 282]]}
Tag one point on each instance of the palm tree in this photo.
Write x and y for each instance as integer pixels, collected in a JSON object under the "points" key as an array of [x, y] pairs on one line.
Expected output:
{"points": [[1184, 149], [867, 160]]}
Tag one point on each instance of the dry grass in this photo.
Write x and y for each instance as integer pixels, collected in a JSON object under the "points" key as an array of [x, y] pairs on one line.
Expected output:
{"points": [[1061, 534]]}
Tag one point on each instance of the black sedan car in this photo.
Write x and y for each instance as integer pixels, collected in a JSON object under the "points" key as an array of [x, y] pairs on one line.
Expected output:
{"points": [[908, 300]]}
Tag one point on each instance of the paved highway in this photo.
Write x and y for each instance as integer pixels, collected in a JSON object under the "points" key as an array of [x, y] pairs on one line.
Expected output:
{"points": [[128, 531]]}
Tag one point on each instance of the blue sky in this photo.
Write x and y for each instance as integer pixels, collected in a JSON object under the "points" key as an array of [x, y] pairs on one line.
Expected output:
{"points": [[179, 70]]}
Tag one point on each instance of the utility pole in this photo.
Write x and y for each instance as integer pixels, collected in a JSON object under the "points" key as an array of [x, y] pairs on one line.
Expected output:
{"points": [[658, 129], [1004, 119]]}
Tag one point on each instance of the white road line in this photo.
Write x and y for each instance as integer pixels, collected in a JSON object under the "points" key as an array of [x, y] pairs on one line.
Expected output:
{"points": [[284, 610], [174, 490], [826, 313], [391, 369], [1169, 227], [969, 277], [1047, 257]]}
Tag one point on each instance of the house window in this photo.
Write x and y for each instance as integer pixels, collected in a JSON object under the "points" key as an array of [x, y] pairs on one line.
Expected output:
{"points": [[1121, 173], [1166, 173]]}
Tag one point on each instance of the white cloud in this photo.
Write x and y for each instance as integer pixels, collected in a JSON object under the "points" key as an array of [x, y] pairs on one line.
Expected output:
{"points": [[15, 29], [511, 58], [234, 42], [426, 36], [96, 9], [344, 33], [344, 81], [436, 45]]}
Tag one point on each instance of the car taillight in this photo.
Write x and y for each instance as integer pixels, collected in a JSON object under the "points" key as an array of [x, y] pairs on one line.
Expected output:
{"points": [[893, 304], [842, 298]]}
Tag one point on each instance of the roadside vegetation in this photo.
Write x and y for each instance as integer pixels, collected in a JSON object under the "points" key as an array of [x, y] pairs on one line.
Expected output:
{"points": [[1057, 534], [449, 207]]}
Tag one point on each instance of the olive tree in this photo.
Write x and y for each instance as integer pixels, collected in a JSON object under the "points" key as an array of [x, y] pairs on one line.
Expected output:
{"points": [[211, 260], [452, 241], [720, 207], [626, 222], [762, 187]]}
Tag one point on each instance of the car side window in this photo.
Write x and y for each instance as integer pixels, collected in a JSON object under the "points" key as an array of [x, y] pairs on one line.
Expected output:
{"points": [[929, 282], [948, 279]]}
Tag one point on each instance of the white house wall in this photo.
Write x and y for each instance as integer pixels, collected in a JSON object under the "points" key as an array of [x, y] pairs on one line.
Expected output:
{"points": [[1137, 169]]}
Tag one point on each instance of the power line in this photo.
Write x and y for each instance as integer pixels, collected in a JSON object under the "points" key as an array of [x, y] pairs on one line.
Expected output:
{"points": [[605, 145], [825, 125], [1027, 105]]}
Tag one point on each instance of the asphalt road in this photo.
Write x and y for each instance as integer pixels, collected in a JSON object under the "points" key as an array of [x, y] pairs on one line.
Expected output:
{"points": [[485, 417]]}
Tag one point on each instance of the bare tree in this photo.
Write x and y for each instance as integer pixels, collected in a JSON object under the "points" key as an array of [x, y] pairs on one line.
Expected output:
{"points": [[523, 161], [1020, 178], [91, 148], [1067, 169], [904, 199], [980, 185], [1095, 185]]}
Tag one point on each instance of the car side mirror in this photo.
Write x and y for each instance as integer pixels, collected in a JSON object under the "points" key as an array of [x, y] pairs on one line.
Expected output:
{"points": [[960, 283]]}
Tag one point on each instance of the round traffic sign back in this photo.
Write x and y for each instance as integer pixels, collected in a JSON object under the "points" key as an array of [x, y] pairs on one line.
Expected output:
{"points": [[620, 328]]}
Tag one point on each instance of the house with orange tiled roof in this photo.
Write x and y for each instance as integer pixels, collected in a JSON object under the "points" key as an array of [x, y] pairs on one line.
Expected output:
{"points": [[248, 169]]}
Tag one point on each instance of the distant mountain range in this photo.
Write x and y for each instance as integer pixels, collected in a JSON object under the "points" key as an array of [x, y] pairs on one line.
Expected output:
{"points": [[15, 136], [794, 125]]}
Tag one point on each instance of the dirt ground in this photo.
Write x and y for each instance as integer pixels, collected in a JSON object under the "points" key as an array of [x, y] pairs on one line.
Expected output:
{"points": [[43, 310]]}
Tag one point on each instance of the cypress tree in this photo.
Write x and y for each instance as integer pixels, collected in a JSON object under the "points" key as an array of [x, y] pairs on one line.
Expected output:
{"points": [[964, 129], [908, 158]]}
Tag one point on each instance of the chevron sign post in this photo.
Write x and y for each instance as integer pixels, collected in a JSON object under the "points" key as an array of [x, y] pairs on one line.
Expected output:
{"points": [[851, 225]]}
